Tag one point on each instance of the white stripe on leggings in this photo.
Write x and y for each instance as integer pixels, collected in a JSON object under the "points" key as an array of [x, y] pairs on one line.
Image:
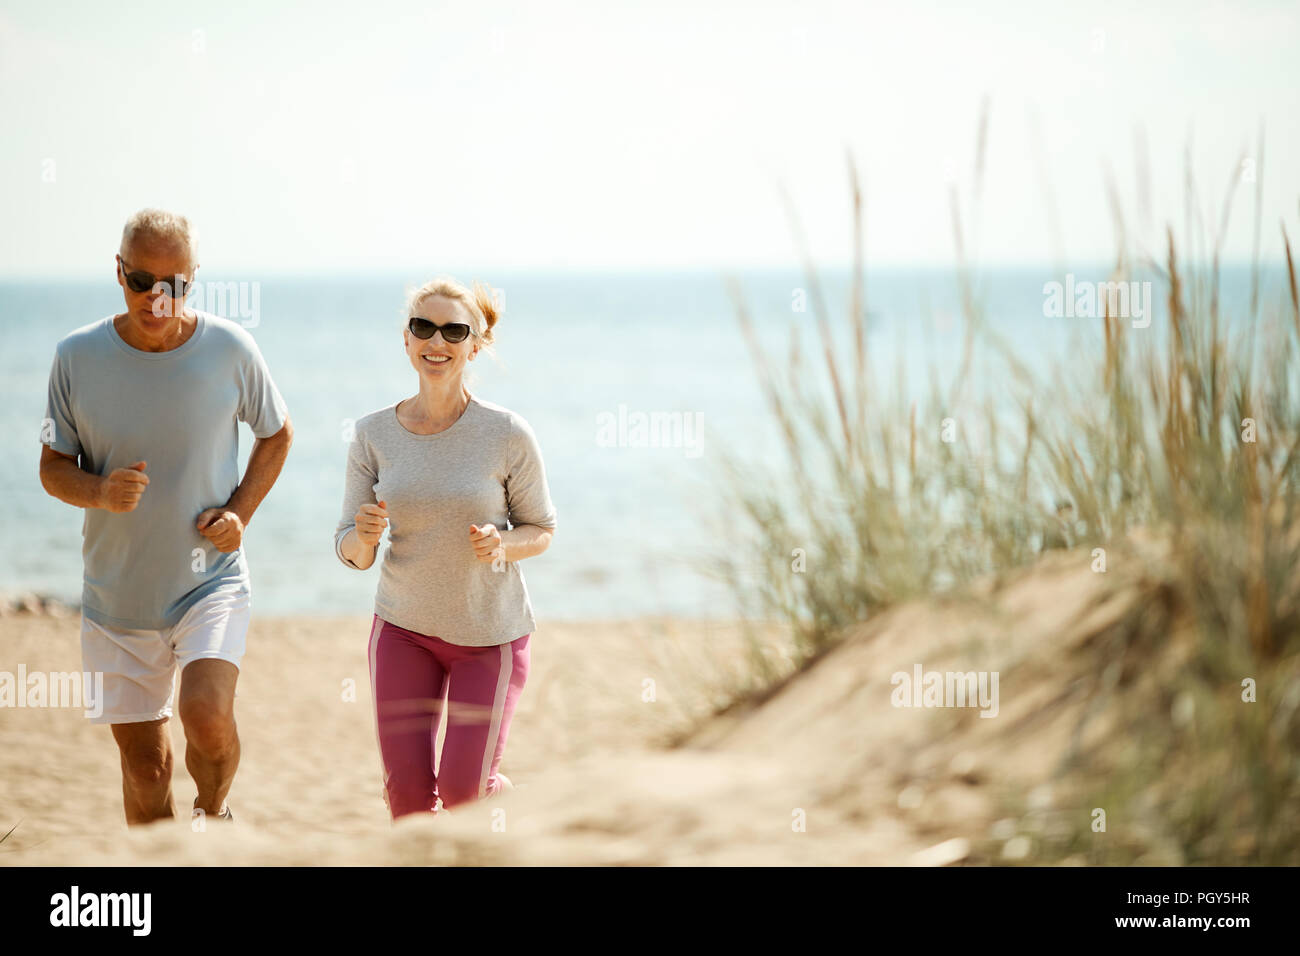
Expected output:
{"points": [[373, 653], [498, 713]]}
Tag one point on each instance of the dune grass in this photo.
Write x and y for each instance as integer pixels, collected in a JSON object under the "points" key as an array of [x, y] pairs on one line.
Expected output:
{"points": [[1189, 432]]}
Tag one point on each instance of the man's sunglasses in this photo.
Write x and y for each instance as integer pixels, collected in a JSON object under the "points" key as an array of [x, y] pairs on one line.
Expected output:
{"points": [[452, 332], [140, 281]]}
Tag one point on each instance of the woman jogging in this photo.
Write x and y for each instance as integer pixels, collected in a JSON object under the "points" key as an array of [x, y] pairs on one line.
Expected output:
{"points": [[459, 484]]}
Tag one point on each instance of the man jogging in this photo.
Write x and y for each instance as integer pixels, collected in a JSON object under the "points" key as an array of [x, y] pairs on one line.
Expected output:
{"points": [[142, 432]]}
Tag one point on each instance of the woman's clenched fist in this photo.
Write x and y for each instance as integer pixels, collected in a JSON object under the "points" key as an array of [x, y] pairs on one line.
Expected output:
{"points": [[371, 521], [486, 541]]}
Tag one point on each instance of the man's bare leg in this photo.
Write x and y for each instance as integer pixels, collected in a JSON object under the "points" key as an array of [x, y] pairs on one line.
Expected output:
{"points": [[207, 709], [146, 752]]}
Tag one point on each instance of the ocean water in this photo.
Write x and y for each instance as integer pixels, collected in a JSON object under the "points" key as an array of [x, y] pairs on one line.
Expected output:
{"points": [[576, 354]]}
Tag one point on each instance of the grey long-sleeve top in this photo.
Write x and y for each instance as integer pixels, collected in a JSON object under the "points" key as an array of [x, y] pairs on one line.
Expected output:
{"points": [[485, 469]]}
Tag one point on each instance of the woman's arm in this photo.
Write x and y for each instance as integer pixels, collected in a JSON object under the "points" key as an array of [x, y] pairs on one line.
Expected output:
{"points": [[360, 555], [525, 541], [528, 499], [356, 538], [514, 544]]}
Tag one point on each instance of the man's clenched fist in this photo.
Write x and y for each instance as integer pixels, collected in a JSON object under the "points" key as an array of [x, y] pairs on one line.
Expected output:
{"points": [[222, 527], [123, 487]]}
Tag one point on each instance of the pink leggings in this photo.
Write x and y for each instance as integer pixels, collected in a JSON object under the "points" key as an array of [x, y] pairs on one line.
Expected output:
{"points": [[412, 675]]}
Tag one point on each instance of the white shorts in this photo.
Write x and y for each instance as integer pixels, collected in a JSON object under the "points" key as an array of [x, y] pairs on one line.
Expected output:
{"points": [[139, 666]]}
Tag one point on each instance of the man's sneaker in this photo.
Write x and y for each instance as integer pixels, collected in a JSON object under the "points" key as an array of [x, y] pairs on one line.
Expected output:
{"points": [[224, 815]]}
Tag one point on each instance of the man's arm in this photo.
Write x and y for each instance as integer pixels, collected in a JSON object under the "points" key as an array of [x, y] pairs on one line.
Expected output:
{"points": [[63, 478], [225, 526], [264, 464]]}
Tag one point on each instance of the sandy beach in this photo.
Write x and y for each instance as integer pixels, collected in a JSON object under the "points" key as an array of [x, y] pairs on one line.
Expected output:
{"points": [[308, 788], [825, 771]]}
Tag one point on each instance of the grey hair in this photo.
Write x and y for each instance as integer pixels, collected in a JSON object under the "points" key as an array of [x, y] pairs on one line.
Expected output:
{"points": [[158, 225]]}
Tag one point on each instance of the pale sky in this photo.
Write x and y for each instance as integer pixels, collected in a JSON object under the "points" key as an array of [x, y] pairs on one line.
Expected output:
{"points": [[327, 137]]}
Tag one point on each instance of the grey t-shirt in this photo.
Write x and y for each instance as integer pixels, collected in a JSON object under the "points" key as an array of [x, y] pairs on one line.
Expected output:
{"points": [[179, 412], [485, 469]]}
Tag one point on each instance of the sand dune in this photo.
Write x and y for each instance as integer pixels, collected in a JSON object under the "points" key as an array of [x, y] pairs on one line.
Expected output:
{"points": [[872, 783]]}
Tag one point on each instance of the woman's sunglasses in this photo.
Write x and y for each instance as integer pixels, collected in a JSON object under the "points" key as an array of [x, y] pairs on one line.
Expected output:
{"points": [[452, 332], [140, 281]]}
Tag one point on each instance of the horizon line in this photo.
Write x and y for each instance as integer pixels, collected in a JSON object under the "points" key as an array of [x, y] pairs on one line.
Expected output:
{"points": [[332, 274]]}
